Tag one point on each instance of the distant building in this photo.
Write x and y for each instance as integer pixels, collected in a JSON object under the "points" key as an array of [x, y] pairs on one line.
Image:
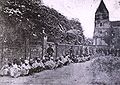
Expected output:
{"points": [[104, 27], [115, 31]]}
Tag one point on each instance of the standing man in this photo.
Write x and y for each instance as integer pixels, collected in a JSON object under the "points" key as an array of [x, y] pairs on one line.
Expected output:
{"points": [[71, 51], [50, 51]]}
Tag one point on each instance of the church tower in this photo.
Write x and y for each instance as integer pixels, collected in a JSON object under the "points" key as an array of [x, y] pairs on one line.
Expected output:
{"points": [[102, 24]]}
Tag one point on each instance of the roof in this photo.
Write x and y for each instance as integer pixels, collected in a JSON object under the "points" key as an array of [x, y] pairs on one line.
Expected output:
{"points": [[115, 23], [102, 8]]}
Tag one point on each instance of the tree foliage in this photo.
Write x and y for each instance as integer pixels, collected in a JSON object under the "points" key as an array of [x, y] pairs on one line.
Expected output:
{"points": [[26, 20]]}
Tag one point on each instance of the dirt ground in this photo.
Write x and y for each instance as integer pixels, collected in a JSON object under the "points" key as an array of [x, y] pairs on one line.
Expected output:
{"points": [[73, 74]]}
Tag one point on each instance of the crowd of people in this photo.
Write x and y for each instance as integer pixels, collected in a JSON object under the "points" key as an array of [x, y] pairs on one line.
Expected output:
{"points": [[29, 66], [24, 67]]}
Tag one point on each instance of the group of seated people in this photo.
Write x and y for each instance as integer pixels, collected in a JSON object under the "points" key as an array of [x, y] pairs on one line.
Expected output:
{"points": [[24, 67]]}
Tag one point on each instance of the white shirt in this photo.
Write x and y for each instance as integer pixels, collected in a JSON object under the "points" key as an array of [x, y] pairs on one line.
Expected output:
{"points": [[23, 66]]}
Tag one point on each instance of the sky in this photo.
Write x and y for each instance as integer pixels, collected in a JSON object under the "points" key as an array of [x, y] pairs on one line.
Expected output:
{"points": [[84, 10]]}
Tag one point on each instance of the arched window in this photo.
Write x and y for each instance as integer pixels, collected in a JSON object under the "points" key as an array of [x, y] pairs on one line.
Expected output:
{"points": [[101, 24]]}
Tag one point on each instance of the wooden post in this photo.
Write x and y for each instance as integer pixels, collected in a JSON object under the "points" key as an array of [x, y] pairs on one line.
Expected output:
{"points": [[25, 47], [56, 49], [42, 42], [25, 44], [2, 54], [29, 46]]}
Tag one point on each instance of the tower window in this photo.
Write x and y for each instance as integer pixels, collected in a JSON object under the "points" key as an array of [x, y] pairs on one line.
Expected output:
{"points": [[100, 32], [106, 33], [101, 24]]}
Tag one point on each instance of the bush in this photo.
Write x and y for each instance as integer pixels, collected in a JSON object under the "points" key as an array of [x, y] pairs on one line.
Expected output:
{"points": [[106, 69]]}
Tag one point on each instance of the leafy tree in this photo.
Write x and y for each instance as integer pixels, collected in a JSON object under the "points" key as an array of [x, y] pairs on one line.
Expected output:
{"points": [[26, 20], [75, 32]]}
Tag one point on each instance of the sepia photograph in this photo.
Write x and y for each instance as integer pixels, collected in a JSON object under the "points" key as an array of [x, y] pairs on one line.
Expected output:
{"points": [[59, 42]]}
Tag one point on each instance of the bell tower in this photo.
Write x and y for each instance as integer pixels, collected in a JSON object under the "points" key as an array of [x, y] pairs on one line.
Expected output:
{"points": [[102, 24]]}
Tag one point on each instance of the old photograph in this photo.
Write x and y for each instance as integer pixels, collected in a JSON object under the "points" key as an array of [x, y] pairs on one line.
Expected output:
{"points": [[59, 42]]}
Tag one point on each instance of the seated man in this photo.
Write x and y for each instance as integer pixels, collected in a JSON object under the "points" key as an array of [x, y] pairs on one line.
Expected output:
{"points": [[25, 69], [61, 61], [4, 71], [65, 60], [50, 64], [40, 65], [35, 65], [14, 70]]}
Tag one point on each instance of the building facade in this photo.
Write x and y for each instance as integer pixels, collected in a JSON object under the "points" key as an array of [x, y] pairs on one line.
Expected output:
{"points": [[104, 28]]}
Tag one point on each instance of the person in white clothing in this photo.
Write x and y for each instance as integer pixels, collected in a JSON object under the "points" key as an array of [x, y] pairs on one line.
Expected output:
{"points": [[40, 65], [49, 64], [14, 70], [4, 71], [25, 69]]}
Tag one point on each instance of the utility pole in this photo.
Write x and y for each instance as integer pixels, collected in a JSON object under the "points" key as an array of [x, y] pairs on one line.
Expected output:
{"points": [[43, 42], [2, 46], [2, 52], [25, 44], [56, 44], [29, 46]]}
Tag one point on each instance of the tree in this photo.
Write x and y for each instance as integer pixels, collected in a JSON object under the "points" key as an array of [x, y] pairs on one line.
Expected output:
{"points": [[75, 32], [88, 41], [26, 19], [18, 16]]}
